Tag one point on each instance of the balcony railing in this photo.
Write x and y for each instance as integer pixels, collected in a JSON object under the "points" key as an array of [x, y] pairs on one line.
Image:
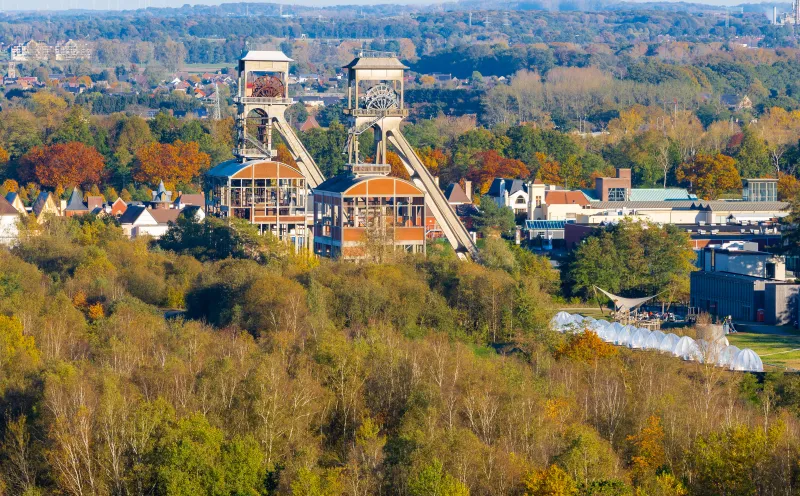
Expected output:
{"points": [[263, 100], [392, 112], [370, 169]]}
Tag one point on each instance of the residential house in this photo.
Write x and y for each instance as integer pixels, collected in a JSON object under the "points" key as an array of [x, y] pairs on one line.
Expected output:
{"points": [[76, 205], [9, 218], [564, 205], [118, 207], [45, 206], [456, 195], [189, 200], [16, 202], [139, 220], [309, 124], [511, 193], [735, 102]]}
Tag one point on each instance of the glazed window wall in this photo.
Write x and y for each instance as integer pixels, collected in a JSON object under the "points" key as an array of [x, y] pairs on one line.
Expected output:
{"points": [[274, 196], [384, 211]]}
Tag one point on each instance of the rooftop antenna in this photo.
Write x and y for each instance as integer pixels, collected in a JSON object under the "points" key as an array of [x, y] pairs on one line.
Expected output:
{"points": [[487, 22]]}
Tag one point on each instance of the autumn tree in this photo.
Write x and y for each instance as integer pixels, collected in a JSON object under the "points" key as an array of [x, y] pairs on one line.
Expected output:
{"points": [[549, 170], [552, 481], [488, 165], [433, 158], [171, 163], [398, 169], [788, 187], [284, 155], [779, 129], [648, 448], [433, 480], [63, 164], [585, 347], [133, 134], [710, 176]]}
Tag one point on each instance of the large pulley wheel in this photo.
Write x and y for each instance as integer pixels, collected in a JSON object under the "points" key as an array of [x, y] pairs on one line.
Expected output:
{"points": [[268, 87], [381, 97]]}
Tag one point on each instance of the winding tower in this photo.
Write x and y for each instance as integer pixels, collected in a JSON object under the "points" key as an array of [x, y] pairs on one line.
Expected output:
{"points": [[262, 100], [375, 101]]}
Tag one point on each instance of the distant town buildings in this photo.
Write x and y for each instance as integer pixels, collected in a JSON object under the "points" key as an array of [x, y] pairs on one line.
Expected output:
{"points": [[41, 51]]}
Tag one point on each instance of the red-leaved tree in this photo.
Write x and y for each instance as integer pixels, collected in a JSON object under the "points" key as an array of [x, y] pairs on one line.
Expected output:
{"points": [[488, 165], [63, 164]]}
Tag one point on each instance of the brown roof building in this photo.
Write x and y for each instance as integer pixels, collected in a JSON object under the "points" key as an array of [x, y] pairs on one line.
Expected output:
{"points": [[351, 211], [562, 197], [268, 194]]}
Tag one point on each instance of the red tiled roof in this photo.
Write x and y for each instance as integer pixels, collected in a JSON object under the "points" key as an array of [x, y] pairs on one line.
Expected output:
{"points": [[565, 198], [310, 123]]}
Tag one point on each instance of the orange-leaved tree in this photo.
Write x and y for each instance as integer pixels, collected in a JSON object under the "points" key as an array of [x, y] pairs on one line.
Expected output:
{"points": [[433, 158], [549, 170], [788, 187], [398, 169], [710, 175], [489, 164], [171, 163], [648, 448], [285, 156], [63, 164]]}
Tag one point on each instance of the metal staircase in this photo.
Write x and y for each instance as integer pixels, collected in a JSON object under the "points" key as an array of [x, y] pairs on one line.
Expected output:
{"points": [[354, 132]]}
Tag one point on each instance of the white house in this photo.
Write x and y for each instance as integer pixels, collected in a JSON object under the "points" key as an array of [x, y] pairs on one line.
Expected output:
{"points": [[139, 220], [512, 193], [9, 217]]}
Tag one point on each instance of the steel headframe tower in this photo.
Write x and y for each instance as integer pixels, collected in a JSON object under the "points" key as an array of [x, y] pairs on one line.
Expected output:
{"points": [[375, 100], [262, 100]]}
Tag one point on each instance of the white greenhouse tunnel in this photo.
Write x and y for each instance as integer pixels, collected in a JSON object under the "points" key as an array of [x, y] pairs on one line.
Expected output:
{"points": [[719, 352]]}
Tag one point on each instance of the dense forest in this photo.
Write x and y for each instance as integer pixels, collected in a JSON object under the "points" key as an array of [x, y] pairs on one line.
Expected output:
{"points": [[288, 375]]}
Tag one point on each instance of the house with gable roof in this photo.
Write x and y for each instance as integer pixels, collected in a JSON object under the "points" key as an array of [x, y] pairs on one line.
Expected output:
{"points": [[9, 218], [16, 202], [45, 206]]}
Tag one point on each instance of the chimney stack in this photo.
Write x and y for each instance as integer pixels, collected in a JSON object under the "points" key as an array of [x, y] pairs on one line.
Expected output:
{"points": [[468, 189]]}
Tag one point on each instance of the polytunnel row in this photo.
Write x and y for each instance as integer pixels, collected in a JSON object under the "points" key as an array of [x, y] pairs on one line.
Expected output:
{"points": [[720, 352]]}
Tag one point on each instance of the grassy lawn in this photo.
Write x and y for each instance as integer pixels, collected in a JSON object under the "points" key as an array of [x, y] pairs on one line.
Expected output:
{"points": [[773, 344], [201, 68]]}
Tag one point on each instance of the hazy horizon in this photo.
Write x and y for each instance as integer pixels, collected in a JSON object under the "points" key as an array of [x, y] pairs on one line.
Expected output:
{"points": [[118, 5]]}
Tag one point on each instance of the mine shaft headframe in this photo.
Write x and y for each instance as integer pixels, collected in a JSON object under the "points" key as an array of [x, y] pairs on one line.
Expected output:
{"points": [[386, 72], [264, 74]]}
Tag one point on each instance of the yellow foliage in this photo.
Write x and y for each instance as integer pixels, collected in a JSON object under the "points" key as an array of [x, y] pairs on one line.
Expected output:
{"points": [[585, 347], [17, 349], [79, 300], [96, 311], [552, 481], [11, 185]]}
